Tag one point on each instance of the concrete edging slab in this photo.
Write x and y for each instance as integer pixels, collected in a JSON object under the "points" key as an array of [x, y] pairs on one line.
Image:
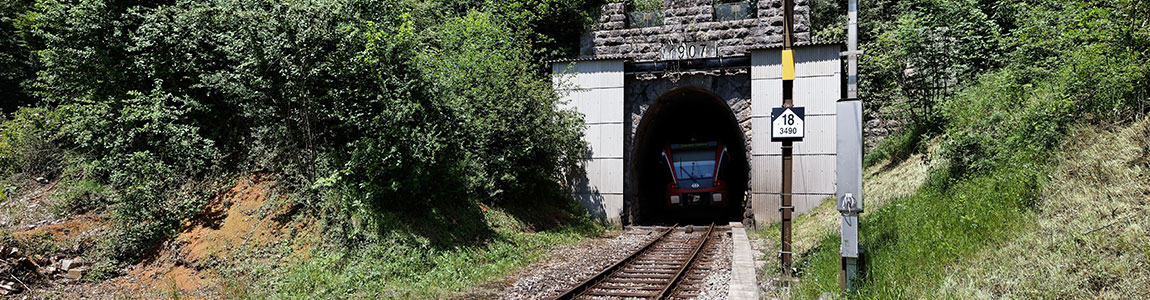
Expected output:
{"points": [[744, 283]]}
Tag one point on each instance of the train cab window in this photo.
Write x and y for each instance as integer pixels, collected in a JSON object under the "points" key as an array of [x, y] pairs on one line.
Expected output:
{"points": [[695, 165]]}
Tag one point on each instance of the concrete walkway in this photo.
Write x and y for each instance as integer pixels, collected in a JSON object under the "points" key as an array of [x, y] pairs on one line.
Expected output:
{"points": [[744, 284]]}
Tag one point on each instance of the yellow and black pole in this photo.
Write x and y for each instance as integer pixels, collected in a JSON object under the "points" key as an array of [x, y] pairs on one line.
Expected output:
{"points": [[786, 207]]}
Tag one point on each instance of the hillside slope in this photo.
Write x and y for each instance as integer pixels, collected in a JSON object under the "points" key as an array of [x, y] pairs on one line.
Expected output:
{"points": [[1088, 237]]}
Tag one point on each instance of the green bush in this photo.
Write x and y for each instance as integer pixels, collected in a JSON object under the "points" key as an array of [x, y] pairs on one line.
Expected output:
{"points": [[29, 143], [372, 117], [16, 54], [518, 145]]}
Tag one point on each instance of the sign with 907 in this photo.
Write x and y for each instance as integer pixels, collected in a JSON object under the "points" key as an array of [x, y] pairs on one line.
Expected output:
{"points": [[787, 124]]}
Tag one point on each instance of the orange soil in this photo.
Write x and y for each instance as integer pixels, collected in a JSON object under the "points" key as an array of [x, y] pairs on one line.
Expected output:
{"points": [[237, 208], [228, 224], [66, 230]]}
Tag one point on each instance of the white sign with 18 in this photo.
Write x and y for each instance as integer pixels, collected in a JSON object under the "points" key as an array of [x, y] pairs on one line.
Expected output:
{"points": [[787, 123]]}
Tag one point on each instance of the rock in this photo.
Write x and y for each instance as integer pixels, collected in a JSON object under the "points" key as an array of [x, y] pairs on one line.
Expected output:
{"points": [[40, 259], [76, 274], [9, 286], [690, 229], [42, 180], [76, 263], [67, 264]]}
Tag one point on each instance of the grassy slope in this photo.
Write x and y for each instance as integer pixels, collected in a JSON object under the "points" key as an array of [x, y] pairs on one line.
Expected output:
{"points": [[911, 241], [886, 181], [1089, 237], [407, 265], [1085, 237]]}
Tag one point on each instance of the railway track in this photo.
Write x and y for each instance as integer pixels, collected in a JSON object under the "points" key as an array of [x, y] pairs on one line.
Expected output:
{"points": [[672, 266]]}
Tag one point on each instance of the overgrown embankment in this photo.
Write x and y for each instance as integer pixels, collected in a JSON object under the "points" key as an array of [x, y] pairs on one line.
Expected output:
{"points": [[422, 133], [1000, 86], [1087, 235]]}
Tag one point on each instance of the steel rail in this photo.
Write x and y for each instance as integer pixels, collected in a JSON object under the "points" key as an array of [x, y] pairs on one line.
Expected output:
{"points": [[687, 265], [590, 282]]}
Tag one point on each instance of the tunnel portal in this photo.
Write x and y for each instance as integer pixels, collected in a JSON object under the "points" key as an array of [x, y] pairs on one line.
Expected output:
{"points": [[696, 77], [680, 127]]}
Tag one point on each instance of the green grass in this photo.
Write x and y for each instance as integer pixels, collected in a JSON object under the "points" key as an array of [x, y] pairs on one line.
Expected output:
{"points": [[1088, 238], [911, 242], [402, 264], [898, 146]]}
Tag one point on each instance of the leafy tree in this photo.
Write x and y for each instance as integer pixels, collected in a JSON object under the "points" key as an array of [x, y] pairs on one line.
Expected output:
{"points": [[363, 110], [15, 54]]}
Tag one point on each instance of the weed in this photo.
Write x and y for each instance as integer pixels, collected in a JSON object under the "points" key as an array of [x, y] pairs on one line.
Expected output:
{"points": [[42, 243]]}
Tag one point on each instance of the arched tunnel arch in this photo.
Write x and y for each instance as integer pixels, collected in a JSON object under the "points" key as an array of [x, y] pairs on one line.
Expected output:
{"points": [[688, 116]]}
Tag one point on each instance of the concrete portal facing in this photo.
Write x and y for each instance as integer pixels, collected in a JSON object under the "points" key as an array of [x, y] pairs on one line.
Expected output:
{"points": [[627, 87]]}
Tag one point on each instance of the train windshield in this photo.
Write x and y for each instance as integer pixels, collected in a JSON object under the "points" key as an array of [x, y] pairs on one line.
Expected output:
{"points": [[695, 164]]}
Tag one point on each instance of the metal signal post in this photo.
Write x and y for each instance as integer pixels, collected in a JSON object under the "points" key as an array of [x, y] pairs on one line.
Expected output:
{"points": [[848, 156], [786, 207]]}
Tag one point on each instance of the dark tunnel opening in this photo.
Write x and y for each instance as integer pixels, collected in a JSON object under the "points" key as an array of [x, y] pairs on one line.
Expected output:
{"points": [[680, 139]]}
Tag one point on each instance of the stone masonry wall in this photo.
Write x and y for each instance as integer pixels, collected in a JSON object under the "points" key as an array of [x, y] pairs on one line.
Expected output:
{"points": [[690, 21]]}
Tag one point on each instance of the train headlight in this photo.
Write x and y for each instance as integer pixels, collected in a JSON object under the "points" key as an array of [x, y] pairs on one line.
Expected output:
{"points": [[675, 199], [717, 197]]}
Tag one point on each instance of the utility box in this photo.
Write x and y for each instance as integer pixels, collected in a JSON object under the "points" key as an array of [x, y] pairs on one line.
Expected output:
{"points": [[850, 242], [848, 150]]}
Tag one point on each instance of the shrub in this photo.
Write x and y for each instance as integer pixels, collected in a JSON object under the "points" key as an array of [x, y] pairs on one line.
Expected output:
{"points": [[349, 102], [16, 54], [518, 145], [145, 148], [29, 143]]}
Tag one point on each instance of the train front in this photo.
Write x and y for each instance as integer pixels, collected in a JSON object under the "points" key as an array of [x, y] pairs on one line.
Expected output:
{"points": [[695, 170]]}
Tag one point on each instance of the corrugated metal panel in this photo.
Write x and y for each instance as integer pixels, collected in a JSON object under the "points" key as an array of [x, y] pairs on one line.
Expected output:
{"points": [[809, 61], [811, 174], [602, 206], [766, 64], [765, 94], [818, 94], [601, 105], [589, 74], [612, 175], [612, 109], [817, 88], [613, 208], [610, 141], [766, 206], [761, 142], [595, 89], [818, 61], [801, 45], [820, 138]]}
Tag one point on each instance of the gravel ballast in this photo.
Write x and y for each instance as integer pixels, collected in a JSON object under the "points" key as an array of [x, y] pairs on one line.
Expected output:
{"points": [[571, 265], [717, 283]]}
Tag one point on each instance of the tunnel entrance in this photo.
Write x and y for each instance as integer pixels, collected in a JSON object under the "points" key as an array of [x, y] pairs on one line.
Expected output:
{"points": [[684, 134]]}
